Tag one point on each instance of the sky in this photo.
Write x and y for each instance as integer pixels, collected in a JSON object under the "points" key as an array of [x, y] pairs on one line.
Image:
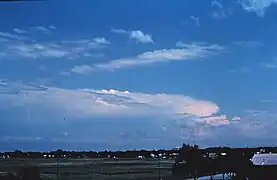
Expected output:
{"points": [[117, 75]]}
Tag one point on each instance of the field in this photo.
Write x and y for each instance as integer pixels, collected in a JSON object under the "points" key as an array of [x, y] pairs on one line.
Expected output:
{"points": [[96, 169]]}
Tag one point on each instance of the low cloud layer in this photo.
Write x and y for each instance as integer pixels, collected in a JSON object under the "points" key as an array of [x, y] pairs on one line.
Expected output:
{"points": [[173, 117], [84, 103], [170, 116]]}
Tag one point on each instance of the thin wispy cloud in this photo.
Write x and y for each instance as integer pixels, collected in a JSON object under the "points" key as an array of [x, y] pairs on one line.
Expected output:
{"points": [[254, 112], [19, 31], [83, 69], [45, 30], [137, 35], [101, 40], [12, 36], [267, 101], [218, 11], [187, 52], [16, 46], [257, 6], [269, 65], [52, 27], [119, 31], [196, 20], [248, 43]]}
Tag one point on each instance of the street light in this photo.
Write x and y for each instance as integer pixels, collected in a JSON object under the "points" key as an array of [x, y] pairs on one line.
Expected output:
{"points": [[159, 165]]}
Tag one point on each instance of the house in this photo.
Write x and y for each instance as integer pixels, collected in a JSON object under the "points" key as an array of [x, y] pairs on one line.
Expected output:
{"points": [[212, 155], [264, 166]]}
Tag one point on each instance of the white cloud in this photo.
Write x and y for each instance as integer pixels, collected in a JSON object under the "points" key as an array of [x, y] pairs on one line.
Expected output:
{"points": [[217, 120], [42, 29], [19, 31], [257, 6], [119, 31], [248, 43], [14, 46], [101, 40], [196, 20], [236, 118], [188, 51], [83, 69], [219, 11], [200, 46], [52, 27], [269, 65], [137, 35], [89, 102], [141, 37], [36, 51], [12, 36]]}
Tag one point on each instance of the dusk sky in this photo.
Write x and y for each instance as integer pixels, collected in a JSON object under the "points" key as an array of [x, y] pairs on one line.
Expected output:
{"points": [[97, 74]]}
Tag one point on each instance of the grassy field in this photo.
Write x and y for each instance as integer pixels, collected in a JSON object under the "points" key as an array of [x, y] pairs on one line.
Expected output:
{"points": [[96, 169]]}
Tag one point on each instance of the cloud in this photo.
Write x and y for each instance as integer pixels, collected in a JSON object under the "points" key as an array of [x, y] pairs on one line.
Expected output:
{"points": [[137, 35], [255, 112], [196, 20], [257, 6], [240, 70], [203, 122], [52, 27], [217, 120], [119, 31], [45, 30], [250, 44], [269, 65], [83, 69], [19, 31], [188, 51], [217, 4], [218, 10], [12, 36], [101, 40], [15, 46], [107, 103], [221, 9], [267, 101], [141, 37], [36, 51], [236, 118]]}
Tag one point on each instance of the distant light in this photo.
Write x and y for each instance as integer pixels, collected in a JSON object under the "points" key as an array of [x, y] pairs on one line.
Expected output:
{"points": [[223, 154]]}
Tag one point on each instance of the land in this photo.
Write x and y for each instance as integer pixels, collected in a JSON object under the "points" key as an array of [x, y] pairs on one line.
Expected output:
{"points": [[96, 169], [185, 162]]}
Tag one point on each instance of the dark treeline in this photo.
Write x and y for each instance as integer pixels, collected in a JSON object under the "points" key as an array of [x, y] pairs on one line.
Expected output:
{"points": [[89, 154], [135, 153], [195, 162]]}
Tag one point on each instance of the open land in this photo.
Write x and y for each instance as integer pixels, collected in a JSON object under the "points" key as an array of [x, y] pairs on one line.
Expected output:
{"points": [[96, 169]]}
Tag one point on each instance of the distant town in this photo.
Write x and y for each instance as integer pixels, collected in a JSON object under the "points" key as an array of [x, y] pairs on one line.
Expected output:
{"points": [[211, 152], [185, 162]]}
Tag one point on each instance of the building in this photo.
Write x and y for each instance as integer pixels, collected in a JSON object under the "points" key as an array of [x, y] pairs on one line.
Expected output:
{"points": [[264, 166]]}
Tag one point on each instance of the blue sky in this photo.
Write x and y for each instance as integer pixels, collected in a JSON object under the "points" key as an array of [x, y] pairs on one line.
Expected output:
{"points": [[137, 74]]}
